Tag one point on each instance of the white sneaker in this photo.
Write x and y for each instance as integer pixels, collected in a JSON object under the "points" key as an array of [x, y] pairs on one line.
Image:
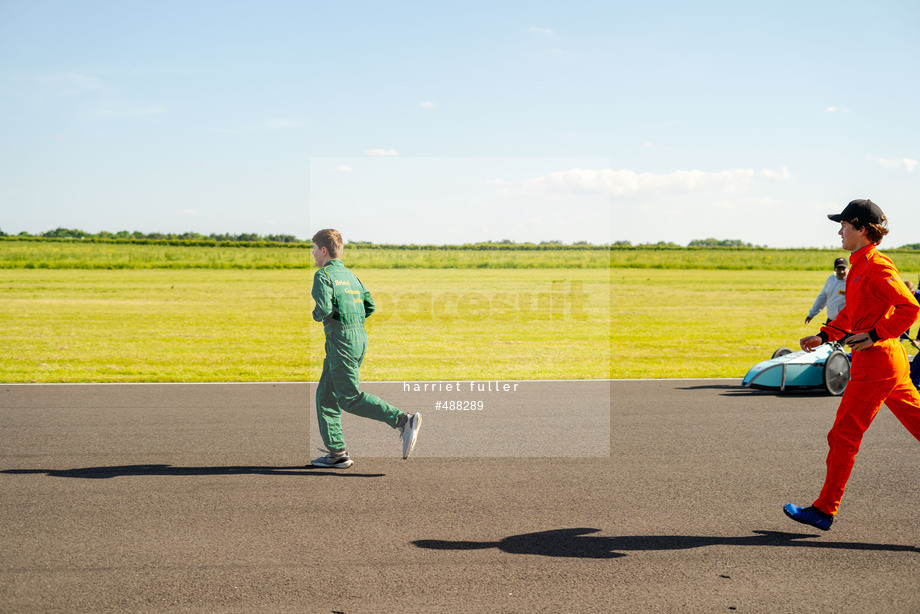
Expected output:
{"points": [[333, 462], [409, 433]]}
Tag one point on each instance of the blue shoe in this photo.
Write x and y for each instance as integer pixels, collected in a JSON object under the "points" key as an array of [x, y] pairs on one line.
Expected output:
{"points": [[809, 515]]}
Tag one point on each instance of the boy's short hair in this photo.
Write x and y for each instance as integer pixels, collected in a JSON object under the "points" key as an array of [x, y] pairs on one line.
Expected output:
{"points": [[331, 239], [874, 232]]}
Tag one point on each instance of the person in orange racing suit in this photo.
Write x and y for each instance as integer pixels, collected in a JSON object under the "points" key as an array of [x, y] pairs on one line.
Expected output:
{"points": [[878, 309]]}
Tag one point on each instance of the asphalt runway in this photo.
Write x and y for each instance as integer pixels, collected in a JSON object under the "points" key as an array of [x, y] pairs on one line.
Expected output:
{"points": [[619, 496]]}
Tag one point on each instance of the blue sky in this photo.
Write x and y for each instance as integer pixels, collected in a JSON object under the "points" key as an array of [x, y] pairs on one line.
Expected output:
{"points": [[413, 122]]}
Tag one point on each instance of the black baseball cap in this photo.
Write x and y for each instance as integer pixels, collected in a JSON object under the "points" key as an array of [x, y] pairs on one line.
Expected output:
{"points": [[840, 262], [864, 210]]}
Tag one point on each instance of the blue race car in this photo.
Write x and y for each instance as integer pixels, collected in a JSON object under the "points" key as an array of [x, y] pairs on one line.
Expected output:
{"points": [[827, 367]]}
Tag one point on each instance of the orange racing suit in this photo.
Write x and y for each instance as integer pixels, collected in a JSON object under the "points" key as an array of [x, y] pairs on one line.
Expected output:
{"points": [[878, 303]]}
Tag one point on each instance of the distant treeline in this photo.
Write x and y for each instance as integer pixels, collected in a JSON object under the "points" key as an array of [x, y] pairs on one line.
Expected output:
{"points": [[193, 239], [126, 236], [282, 240], [256, 240]]}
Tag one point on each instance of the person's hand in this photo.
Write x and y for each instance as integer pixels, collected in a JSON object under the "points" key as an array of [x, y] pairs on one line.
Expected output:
{"points": [[859, 342], [810, 343], [807, 319]]}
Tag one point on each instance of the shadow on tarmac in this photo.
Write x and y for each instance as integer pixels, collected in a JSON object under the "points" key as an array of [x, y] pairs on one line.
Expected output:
{"points": [[732, 390], [101, 473], [735, 387], [573, 543], [747, 392]]}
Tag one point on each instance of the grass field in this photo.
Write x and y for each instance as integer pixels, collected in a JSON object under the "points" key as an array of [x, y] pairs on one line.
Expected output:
{"points": [[16, 254], [201, 325], [432, 324], [80, 255]]}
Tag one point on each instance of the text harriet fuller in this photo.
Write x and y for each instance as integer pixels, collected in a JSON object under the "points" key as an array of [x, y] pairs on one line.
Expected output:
{"points": [[460, 386]]}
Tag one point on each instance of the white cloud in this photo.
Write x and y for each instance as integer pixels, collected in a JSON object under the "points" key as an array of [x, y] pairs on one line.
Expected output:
{"points": [[832, 109], [626, 182], [343, 168], [539, 30], [656, 146], [908, 164], [428, 104], [381, 152], [778, 176]]}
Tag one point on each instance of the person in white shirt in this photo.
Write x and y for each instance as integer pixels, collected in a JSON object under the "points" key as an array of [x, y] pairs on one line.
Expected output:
{"points": [[833, 294]]}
